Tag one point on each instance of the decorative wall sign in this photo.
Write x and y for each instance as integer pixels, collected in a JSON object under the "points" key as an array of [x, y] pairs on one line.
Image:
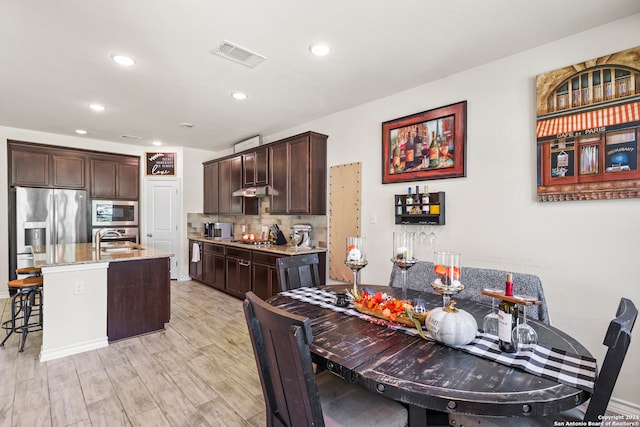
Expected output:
{"points": [[161, 164], [427, 145], [588, 118]]}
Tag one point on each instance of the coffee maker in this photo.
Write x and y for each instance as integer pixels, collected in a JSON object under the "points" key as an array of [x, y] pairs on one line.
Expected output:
{"points": [[302, 236]]}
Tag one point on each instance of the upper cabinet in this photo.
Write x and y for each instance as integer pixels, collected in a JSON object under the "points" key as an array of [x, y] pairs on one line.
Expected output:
{"points": [[210, 196], [295, 167], [115, 177], [230, 180], [69, 170], [299, 174], [106, 176], [255, 167], [221, 178], [28, 167]]}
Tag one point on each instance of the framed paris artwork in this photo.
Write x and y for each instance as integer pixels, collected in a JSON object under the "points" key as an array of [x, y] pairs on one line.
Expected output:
{"points": [[426, 145], [587, 124]]}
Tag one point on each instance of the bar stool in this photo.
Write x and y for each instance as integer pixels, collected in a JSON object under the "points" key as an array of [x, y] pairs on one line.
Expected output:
{"points": [[26, 305]]}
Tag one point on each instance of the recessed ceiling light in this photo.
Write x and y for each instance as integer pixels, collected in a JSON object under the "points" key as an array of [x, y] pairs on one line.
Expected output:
{"points": [[157, 143], [239, 95], [127, 61], [97, 107], [319, 49], [81, 131]]}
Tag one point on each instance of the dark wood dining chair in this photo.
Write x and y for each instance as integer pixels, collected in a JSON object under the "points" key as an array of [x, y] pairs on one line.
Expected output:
{"points": [[298, 271], [294, 396], [617, 339]]}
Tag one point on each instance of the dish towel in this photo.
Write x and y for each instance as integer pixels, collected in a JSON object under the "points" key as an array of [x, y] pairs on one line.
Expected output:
{"points": [[195, 257]]}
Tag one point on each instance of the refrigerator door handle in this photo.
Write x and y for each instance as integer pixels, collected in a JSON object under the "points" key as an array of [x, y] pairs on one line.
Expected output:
{"points": [[51, 220]]}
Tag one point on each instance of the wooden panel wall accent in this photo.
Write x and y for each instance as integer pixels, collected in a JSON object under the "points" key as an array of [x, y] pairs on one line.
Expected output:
{"points": [[344, 215]]}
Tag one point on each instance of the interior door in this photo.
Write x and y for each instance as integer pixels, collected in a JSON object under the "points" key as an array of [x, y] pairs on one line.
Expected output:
{"points": [[161, 225]]}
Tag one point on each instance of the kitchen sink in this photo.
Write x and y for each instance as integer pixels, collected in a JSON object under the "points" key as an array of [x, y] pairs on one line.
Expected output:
{"points": [[120, 247]]}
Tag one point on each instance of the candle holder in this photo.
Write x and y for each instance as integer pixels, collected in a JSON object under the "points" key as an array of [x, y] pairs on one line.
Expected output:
{"points": [[403, 250], [356, 258], [447, 267]]}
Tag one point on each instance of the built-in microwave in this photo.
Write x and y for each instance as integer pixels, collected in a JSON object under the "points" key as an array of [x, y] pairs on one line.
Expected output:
{"points": [[109, 213]]}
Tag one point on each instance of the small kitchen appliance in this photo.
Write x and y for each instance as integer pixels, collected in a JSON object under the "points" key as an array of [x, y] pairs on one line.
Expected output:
{"points": [[208, 229], [222, 230], [302, 236]]}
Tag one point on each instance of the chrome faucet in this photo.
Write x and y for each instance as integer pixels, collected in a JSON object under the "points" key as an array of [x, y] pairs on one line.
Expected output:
{"points": [[104, 232]]}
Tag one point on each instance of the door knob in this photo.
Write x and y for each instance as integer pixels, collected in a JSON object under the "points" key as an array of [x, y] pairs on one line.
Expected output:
{"points": [[149, 235]]}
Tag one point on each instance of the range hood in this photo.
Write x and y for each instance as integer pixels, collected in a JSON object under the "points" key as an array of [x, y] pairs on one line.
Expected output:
{"points": [[261, 191]]}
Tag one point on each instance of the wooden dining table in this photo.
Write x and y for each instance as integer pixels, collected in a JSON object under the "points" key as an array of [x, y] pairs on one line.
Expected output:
{"points": [[429, 377]]}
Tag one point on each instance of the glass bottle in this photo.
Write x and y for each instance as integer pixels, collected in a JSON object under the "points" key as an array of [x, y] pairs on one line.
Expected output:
{"points": [[425, 200], [507, 318], [434, 151]]}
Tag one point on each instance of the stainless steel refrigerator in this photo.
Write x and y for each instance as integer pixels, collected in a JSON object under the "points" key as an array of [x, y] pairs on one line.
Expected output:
{"points": [[47, 216]]}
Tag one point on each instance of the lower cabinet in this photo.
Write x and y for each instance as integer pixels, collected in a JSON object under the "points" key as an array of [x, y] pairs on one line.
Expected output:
{"points": [[195, 268], [213, 265], [264, 274], [238, 269], [138, 297]]}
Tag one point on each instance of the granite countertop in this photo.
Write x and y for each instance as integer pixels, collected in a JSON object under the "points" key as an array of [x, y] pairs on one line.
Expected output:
{"points": [[274, 249], [83, 253]]}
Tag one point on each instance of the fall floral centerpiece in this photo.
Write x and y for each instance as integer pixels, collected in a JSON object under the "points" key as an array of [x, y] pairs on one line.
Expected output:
{"points": [[383, 306]]}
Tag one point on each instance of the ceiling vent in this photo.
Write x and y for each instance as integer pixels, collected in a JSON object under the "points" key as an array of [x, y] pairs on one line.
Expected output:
{"points": [[238, 54]]}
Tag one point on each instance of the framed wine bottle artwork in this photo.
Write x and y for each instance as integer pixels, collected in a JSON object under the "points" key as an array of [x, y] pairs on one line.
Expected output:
{"points": [[424, 146]]}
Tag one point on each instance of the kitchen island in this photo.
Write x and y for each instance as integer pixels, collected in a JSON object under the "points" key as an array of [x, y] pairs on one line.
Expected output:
{"points": [[94, 297], [237, 267]]}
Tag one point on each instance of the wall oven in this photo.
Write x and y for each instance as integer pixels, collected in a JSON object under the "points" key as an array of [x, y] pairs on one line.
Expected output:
{"points": [[110, 213]]}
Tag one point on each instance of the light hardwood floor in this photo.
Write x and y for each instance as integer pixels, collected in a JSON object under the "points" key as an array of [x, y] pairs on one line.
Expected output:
{"points": [[200, 371]]}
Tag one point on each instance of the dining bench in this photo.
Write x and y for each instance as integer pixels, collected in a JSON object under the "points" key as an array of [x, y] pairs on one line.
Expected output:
{"points": [[475, 279]]}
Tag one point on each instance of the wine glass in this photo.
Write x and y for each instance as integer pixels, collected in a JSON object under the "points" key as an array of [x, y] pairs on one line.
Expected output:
{"points": [[356, 259], [524, 335], [403, 244], [447, 267], [490, 321]]}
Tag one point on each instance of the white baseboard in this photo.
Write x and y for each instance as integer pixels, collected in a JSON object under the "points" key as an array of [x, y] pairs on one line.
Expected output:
{"points": [[59, 352], [4, 294], [623, 407]]}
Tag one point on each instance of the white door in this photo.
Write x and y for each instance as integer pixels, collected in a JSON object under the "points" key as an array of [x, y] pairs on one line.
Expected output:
{"points": [[161, 225]]}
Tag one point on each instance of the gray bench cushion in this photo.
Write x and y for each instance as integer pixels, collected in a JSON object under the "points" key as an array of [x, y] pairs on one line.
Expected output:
{"points": [[474, 279]]}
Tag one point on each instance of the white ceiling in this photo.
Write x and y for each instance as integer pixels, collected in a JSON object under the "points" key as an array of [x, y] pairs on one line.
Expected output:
{"points": [[55, 59]]}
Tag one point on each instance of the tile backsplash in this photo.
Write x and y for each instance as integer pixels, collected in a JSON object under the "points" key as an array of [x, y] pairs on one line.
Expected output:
{"points": [[254, 223]]}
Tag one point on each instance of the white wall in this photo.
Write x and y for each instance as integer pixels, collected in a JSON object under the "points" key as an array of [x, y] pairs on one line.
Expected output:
{"points": [[585, 251]]}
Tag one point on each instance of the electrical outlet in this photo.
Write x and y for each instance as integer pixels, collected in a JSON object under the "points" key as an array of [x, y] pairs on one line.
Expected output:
{"points": [[78, 287]]}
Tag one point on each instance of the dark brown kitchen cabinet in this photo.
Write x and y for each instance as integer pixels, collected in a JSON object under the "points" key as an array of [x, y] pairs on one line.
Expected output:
{"points": [[213, 265], [264, 274], [299, 174], [238, 271], [115, 178], [210, 195], [230, 180], [255, 166], [29, 168], [35, 166], [69, 171], [195, 268], [138, 297]]}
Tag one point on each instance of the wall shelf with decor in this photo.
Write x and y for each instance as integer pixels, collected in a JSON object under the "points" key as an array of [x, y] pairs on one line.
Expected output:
{"points": [[414, 208]]}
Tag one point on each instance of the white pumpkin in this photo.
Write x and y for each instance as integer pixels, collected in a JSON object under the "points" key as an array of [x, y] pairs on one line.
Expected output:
{"points": [[450, 325]]}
